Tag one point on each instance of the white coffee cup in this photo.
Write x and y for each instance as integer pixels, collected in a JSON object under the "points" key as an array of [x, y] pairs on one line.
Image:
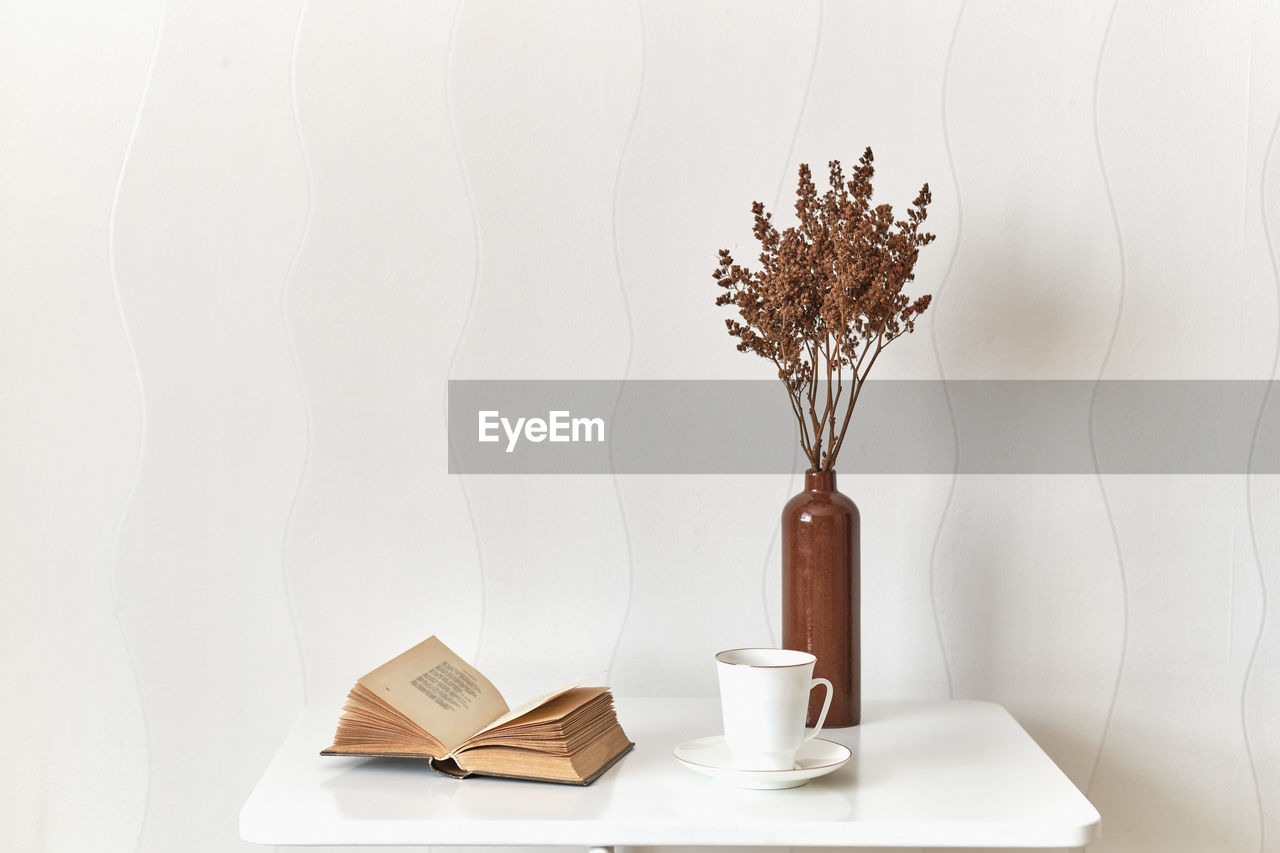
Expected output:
{"points": [[764, 694]]}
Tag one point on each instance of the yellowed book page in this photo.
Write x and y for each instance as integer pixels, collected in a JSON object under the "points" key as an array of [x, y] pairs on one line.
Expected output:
{"points": [[547, 727], [439, 691], [526, 707], [528, 764]]}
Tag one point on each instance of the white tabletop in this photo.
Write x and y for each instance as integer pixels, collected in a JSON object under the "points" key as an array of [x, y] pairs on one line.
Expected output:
{"points": [[923, 774]]}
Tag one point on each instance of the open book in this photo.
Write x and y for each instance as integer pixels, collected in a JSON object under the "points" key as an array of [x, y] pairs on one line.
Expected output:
{"points": [[430, 703]]}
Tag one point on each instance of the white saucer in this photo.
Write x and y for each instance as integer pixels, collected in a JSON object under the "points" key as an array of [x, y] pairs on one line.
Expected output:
{"points": [[710, 757]]}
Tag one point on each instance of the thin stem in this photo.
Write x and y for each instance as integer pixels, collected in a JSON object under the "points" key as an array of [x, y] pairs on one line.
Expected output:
{"points": [[835, 407], [828, 421], [812, 386], [833, 404], [853, 401], [794, 399]]}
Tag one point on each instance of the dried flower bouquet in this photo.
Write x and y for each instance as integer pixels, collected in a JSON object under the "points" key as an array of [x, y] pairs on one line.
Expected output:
{"points": [[827, 298]]}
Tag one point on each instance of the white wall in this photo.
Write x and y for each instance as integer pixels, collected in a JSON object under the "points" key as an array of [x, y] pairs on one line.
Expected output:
{"points": [[243, 246]]}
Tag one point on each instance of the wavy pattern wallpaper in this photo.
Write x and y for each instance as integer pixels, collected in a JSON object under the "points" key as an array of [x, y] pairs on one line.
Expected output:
{"points": [[243, 248]]}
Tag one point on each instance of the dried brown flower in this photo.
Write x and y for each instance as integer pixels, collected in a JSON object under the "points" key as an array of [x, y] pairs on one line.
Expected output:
{"points": [[827, 298]]}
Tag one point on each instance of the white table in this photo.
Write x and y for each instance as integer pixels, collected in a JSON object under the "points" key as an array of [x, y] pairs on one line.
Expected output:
{"points": [[924, 774]]}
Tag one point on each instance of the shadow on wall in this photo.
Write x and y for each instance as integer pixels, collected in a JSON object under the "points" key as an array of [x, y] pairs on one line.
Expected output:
{"points": [[1143, 810], [1018, 311]]}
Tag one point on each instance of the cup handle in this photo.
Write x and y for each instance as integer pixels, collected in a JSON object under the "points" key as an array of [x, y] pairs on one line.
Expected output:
{"points": [[826, 706]]}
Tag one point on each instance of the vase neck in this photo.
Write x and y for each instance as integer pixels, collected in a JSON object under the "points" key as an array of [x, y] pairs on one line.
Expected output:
{"points": [[820, 481]]}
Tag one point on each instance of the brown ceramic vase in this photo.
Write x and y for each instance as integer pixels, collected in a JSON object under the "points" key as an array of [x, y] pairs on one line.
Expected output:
{"points": [[820, 592]]}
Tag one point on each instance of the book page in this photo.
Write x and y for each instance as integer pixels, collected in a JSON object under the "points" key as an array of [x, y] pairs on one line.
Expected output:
{"points": [[438, 691], [526, 707]]}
